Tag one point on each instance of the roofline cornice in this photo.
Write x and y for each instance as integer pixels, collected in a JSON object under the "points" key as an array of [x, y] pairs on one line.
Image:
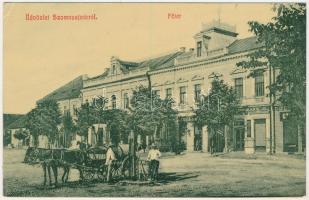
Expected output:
{"points": [[203, 62]]}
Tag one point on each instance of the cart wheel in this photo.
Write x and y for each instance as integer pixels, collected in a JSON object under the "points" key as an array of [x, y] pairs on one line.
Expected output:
{"points": [[126, 165], [116, 169], [102, 173], [88, 175]]}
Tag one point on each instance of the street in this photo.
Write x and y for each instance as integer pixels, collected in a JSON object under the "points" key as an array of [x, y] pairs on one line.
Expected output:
{"points": [[187, 175]]}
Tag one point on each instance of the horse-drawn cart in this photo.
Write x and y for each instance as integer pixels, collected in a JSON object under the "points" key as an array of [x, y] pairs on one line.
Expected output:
{"points": [[94, 166], [90, 163]]}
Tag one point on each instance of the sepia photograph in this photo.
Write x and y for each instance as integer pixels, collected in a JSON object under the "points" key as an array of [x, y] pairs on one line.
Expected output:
{"points": [[154, 99]]}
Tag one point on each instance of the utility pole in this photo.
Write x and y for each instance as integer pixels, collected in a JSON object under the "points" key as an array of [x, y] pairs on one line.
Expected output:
{"points": [[132, 154]]}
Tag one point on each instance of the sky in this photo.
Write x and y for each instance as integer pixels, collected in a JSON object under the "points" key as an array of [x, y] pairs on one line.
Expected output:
{"points": [[41, 56]]}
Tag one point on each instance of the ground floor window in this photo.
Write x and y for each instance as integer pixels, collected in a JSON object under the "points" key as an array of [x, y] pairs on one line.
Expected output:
{"points": [[260, 134]]}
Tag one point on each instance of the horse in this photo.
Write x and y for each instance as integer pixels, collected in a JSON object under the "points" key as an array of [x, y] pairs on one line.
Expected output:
{"points": [[54, 159], [72, 158], [45, 157]]}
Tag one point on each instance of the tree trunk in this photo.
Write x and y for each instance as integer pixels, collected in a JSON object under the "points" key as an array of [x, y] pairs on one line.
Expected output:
{"points": [[225, 138], [299, 137]]}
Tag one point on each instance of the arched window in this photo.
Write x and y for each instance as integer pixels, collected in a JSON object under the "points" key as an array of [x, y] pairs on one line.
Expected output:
{"points": [[114, 101]]}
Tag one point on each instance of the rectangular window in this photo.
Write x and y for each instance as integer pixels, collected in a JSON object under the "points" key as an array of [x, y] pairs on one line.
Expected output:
{"points": [[182, 95], [74, 110], [248, 128], [156, 92], [114, 102], [199, 48], [239, 87], [125, 101], [197, 92], [259, 84], [168, 93]]}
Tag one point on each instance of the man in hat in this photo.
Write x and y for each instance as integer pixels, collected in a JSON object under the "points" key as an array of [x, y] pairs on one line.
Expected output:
{"points": [[153, 156], [110, 157]]}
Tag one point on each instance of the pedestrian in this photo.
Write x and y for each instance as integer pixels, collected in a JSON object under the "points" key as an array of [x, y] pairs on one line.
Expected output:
{"points": [[153, 156], [110, 157]]}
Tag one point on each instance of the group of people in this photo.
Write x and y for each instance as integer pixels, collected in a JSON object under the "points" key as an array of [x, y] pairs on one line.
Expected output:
{"points": [[153, 157]]}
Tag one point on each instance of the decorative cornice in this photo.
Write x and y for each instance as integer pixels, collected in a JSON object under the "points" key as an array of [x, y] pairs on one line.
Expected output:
{"points": [[198, 63], [116, 81], [169, 82], [181, 80], [238, 71], [215, 75], [197, 77]]}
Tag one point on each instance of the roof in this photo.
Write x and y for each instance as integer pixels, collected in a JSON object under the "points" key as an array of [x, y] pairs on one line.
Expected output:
{"points": [[128, 64], [160, 62], [167, 60], [19, 123], [9, 119], [164, 61], [68, 91], [243, 45], [105, 73]]}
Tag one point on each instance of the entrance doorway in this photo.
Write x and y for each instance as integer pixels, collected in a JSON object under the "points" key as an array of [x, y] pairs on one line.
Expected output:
{"points": [[260, 134], [197, 138], [100, 136]]}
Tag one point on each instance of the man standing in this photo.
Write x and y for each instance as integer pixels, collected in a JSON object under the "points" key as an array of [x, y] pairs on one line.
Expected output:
{"points": [[110, 157], [153, 156]]}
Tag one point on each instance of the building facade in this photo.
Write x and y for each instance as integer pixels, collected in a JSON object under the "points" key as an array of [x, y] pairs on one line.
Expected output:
{"points": [[184, 75]]}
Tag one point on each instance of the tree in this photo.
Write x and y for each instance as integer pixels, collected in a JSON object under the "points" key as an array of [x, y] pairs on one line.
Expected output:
{"points": [[68, 127], [21, 134], [86, 117], [149, 113], [217, 109], [117, 124], [284, 53], [7, 137], [44, 120]]}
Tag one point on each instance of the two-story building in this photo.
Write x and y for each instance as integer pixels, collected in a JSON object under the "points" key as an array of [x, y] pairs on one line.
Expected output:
{"points": [[186, 74]]}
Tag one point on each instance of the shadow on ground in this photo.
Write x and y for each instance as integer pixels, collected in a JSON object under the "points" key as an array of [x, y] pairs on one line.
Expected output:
{"points": [[165, 178]]}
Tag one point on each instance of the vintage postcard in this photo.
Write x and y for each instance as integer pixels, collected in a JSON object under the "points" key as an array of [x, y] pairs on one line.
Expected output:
{"points": [[154, 100]]}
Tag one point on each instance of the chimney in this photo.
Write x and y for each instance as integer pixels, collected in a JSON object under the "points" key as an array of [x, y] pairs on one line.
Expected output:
{"points": [[182, 49]]}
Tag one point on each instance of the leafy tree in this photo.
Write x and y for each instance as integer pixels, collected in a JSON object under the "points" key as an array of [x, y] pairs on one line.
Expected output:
{"points": [[44, 120], [115, 119], [21, 134], [149, 113], [68, 127], [218, 108], [96, 113], [86, 117], [117, 124], [6, 137], [284, 51]]}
